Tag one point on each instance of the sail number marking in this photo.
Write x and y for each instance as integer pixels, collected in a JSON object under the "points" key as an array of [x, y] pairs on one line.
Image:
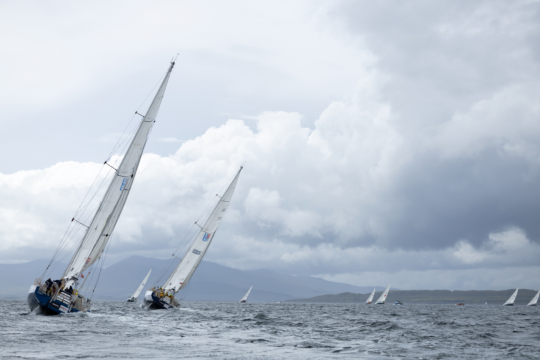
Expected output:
{"points": [[123, 184], [196, 252]]}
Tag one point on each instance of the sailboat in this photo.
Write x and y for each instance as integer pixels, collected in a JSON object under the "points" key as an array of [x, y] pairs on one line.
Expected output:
{"points": [[370, 298], [382, 299], [244, 299], [64, 295], [534, 300], [133, 298], [162, 297], [510, 301]]}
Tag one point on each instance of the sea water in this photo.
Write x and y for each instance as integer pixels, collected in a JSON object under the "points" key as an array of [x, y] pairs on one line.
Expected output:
{"points": [[121, 330]]}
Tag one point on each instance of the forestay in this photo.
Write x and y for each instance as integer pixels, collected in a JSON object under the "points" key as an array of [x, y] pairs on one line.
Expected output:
{"points": [[183, 272], [512, 298], [139, 289], [247, 294], [100, 230], [382, 299]]}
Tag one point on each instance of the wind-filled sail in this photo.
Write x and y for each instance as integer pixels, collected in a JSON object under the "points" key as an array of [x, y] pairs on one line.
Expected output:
{"points": [[512, 298], [181, 275], [102, 226], [382, 299], [246, 296], [534, 300], [139, 289], [370, 298]]}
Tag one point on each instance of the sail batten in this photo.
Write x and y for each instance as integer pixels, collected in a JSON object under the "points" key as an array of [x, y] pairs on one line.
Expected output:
{"points": [[104, 221]]}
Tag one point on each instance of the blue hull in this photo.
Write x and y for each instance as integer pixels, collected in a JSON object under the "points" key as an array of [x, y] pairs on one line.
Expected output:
{"points": [[49, 307], [157, 303]]}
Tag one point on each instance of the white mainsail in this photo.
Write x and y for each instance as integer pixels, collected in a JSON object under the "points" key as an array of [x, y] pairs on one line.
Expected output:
{"points": [[534, 300], [512, 298], [382, 299], [100, 230], [181, 275], [370, 298], [246, 296], [139, 289]]}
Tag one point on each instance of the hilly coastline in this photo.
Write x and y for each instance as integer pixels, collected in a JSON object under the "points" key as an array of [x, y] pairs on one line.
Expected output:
{"points": [[479, 297]]}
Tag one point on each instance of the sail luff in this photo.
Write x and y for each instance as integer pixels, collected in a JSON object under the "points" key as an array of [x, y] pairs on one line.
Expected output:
{"points": [[191, 260], [112, 204], [247, 294], [512, 298], [139, 289], [534, 300]]}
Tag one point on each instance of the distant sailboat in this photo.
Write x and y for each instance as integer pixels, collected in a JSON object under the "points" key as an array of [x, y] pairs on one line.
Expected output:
{"points": [[135, 295], [510, 301], [370, 298], [64, 295], [534, 301], [244, 299], [162, 297], [382, 299]]}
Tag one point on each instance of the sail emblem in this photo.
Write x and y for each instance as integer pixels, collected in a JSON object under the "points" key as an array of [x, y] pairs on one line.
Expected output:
{"points": [[123, 184], [206, 237], [196, 252]]}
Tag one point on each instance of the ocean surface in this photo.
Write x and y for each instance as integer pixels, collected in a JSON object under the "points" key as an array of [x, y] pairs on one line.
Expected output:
{"points": [[121, 330]]}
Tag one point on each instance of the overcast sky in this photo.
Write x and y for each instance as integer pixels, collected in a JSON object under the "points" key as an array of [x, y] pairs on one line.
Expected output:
{"points": [[384, 141]]}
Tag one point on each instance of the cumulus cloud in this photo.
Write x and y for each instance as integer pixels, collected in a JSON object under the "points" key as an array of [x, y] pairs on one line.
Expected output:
{"points": [[428, 168]]}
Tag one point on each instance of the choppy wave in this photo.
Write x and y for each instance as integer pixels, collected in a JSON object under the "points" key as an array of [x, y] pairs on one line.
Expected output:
{"points": [[272, 331]]}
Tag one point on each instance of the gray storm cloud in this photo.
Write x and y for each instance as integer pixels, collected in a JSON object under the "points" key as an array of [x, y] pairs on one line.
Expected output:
{"points": [[427, 169]]}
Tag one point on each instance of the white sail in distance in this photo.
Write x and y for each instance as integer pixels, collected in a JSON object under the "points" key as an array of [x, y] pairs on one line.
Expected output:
{"points": [[183, 272], [102, 226], [512, 298], [534, 300], [247, 294], [370, 298], [139, 289], [382, 298]]}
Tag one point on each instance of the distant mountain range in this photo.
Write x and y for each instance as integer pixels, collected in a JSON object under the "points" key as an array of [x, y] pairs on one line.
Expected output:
{"points": [[211, 282], [492, 297]]}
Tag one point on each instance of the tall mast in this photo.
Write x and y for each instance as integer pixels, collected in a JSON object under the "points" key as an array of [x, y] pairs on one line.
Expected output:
{"points": [[102, 226]]}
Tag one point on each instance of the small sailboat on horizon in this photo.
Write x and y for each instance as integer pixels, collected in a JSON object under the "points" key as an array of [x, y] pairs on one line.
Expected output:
{"points": [[244, 299], [163, 297], [511, 299], [370, 298], [382, 298], [534, 300], [133, 298], [65, 295]]}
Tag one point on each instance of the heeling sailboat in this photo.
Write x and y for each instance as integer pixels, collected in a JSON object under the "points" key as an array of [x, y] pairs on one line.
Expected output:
{"points": [[382, 298], [510, 301], [370, 298], [135, 295], [64, 296], [534, 300], [244, 299], [163, 297]]}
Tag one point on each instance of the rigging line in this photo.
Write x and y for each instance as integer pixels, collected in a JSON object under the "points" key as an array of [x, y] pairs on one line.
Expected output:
{"points": [[138, 108], [101, 268]]}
